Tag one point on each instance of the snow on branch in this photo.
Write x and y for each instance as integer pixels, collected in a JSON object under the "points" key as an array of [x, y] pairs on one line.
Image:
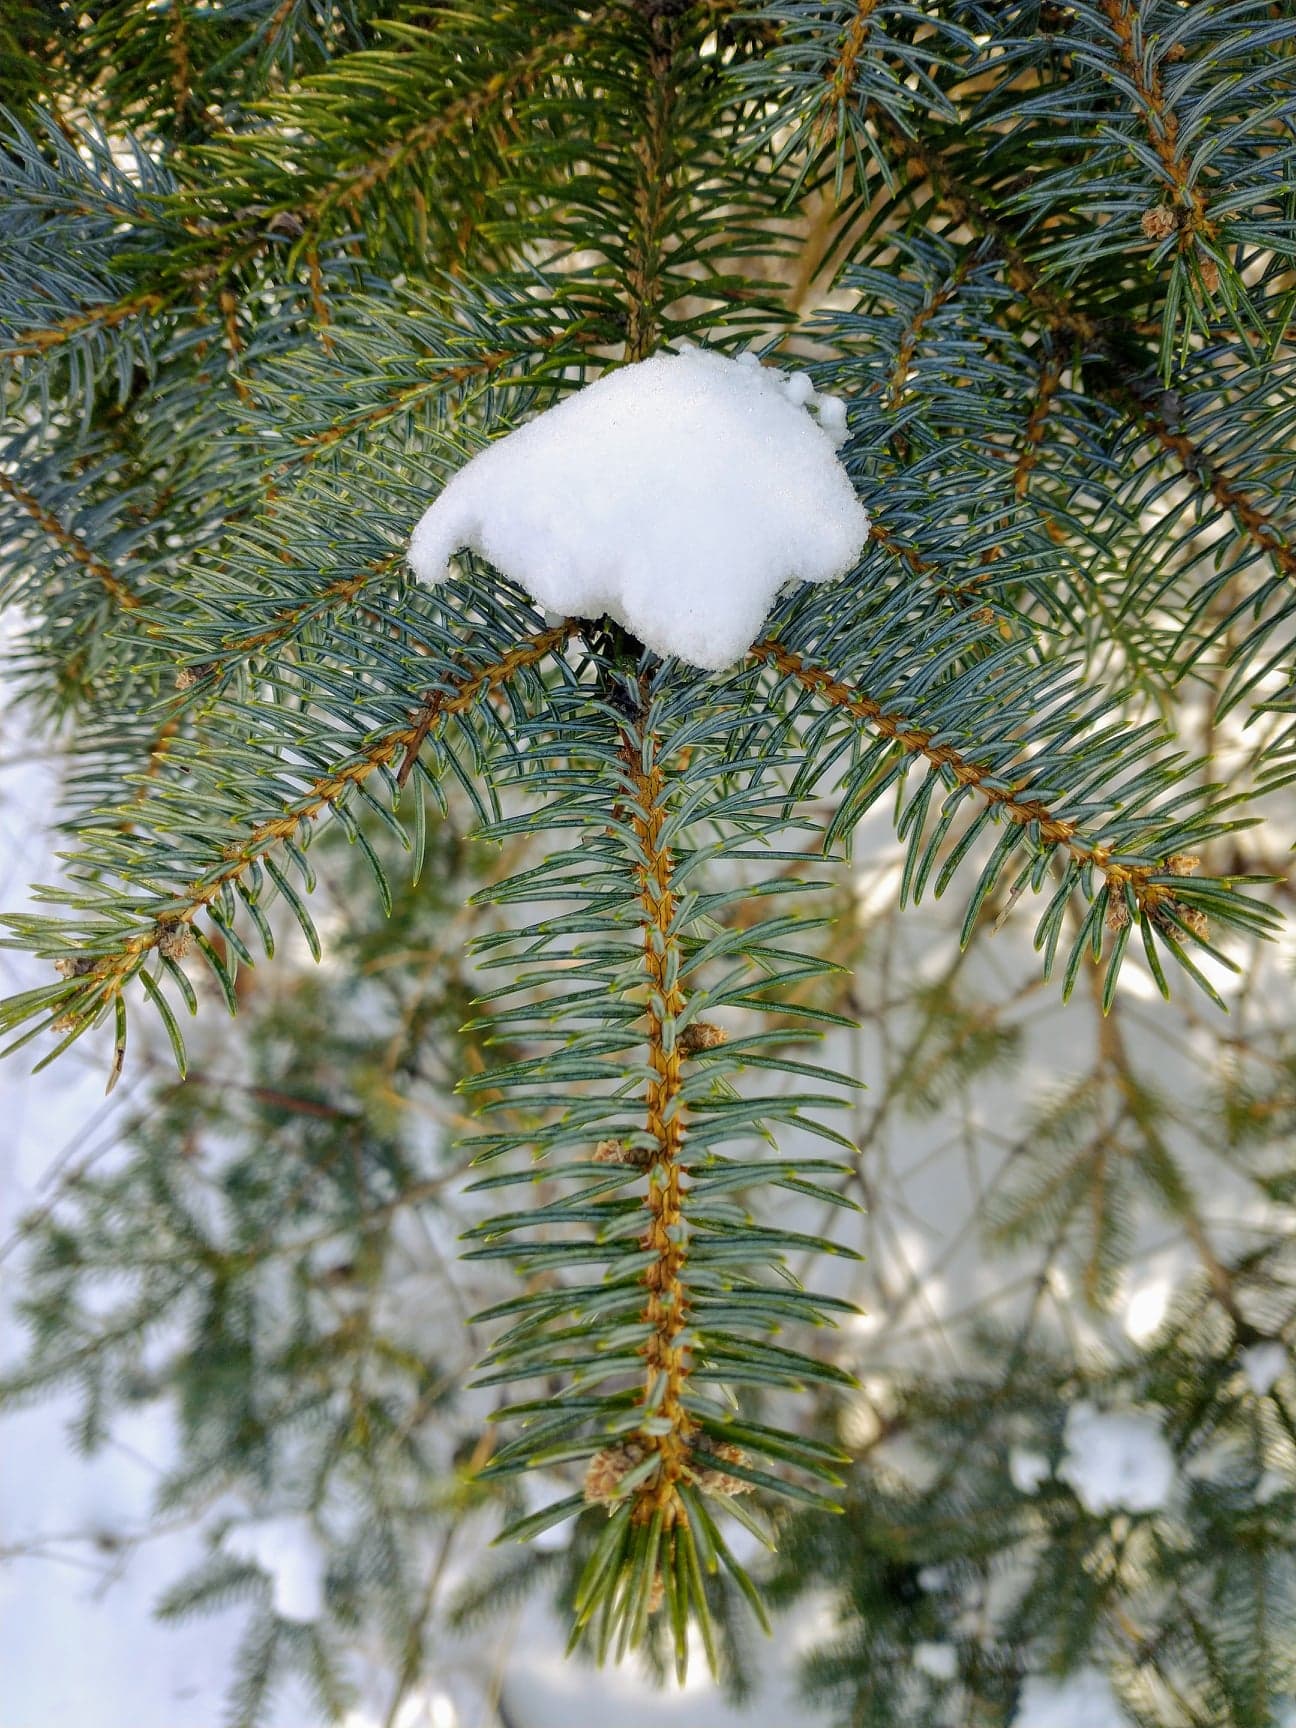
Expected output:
{"points": [[677, 496]]}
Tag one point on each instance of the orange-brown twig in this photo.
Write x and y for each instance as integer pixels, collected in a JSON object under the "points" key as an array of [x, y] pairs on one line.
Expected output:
{"points": [[1162, 122], [111, 972], [71, 543], [840, 79], [667, 1306], [1055, 832], [1050, 381]]}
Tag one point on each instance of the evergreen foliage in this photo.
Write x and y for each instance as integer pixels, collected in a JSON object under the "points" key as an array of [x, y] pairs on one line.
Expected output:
{"points": [[272, 271]]}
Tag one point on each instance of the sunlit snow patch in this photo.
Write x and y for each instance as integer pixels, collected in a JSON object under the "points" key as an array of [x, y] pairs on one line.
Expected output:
{"points": [[1083, 1700], [288, 1551], [677, 496], [1027, 1469], [1117, 1458], [940, 1661]]}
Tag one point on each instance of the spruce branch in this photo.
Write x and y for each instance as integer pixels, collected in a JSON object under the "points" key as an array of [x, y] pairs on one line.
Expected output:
{"points": [[1050, 380], [1141, 863], [113, 586], [1142, 75], [351, 245], [90, 320], [87, 993], [1197, 467], [665, 1125], [843, 69]]}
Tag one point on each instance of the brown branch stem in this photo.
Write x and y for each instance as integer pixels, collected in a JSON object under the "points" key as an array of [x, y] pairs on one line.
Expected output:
{"points": [[840, 80], [968, 210], [1162, 122], [71, 543], [646, 243], [667, 1305], [1056, 833], [110, 973]]}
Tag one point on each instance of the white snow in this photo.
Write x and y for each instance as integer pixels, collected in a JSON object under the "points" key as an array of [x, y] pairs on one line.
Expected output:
{"points": [[289, 1552], [1083, 1700], [1116, 1459], [1263, 1363], [940, 1661], [1027, 1469], [678, 496]]}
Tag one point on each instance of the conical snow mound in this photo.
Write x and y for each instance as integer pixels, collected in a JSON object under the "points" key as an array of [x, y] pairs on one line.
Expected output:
{"points": [[677, 496]]}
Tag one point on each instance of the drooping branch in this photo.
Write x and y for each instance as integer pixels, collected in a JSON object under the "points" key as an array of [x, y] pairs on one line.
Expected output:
{"points": [[99, 986], [71, 543], [1055, 833], [966, 208], [1199, 467]]}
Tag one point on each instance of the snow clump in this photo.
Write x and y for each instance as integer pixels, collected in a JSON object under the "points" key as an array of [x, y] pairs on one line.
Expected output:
{"points": [[288, 1551], [677, 495], [1117, 1459], [1083, 1700]]}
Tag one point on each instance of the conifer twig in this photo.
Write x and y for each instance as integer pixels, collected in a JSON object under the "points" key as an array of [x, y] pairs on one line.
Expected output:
{"points": [[105, 980], [1055, 832], [71, 543], [840, 79], [1162, 123], [667, 1307]]}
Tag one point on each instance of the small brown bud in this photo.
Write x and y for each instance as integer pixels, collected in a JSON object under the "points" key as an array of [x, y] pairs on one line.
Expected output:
{"points": [[1118, 913], [615, 1152], [74, 965], [1176, 52], [173, 939], [1182, 863], [1159, 223], [64, 1023], [188, 676], [700, 1035], [1194, 919], [1209, 275], [605, 1469], [715, 1481]]}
